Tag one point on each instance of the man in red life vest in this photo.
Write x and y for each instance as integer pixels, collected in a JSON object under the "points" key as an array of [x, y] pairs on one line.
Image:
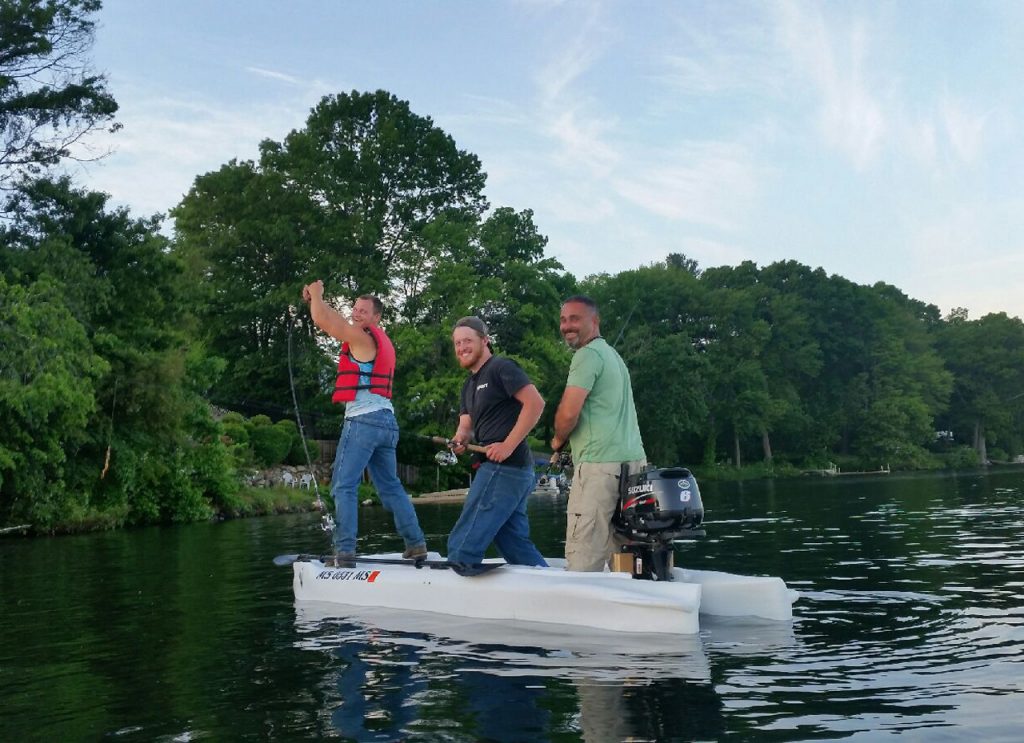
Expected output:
{"points": [[366, 369]]}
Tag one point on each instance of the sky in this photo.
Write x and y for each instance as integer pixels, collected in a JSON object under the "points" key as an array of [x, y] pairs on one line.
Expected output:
{"points": [[879, 141]]}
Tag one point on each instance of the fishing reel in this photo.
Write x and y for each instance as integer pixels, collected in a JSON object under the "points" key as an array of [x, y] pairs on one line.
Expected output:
{"points": [[446, 458], [562, 464]]}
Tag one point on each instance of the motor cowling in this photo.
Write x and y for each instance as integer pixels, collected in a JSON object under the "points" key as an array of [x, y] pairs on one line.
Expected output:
{"points": [[659, 505]]}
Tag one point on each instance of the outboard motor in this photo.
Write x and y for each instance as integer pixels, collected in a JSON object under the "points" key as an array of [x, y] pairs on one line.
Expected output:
{"points": [[655, 507]]}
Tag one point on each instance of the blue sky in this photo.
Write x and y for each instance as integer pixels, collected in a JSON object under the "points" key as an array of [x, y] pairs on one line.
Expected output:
{"points": [[877, 140]]}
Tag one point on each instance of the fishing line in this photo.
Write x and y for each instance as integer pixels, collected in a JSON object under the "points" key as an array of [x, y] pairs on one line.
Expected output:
{"points": [[625, 324], [326, 520]]}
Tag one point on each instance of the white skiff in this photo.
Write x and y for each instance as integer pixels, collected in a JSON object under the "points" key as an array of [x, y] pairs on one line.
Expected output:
{"points": [[607, 601]]}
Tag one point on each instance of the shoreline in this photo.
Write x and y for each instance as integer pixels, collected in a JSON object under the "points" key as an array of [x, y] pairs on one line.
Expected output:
{"points": [[458, 495]]}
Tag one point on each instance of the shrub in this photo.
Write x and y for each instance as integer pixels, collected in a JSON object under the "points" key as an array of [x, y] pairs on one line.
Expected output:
{"points": [[961, 458], [296, 455], [212, 471], [241, 456], [270, 445], [912, 457], [237, 432], [231, 505], [288, 425]]}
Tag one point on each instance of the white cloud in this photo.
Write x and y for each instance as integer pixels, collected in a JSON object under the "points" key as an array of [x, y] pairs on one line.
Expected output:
{"points": [[273, 75], [580, 206], [167, 141], [921, 139], [607, 171], [582, 143], [487, 111], [710, 253], [948, 137], [850, 119], [624, 244], [863, 117], [568, 115], [732, 57], [701, 183], [964, 129], [577, 52]]}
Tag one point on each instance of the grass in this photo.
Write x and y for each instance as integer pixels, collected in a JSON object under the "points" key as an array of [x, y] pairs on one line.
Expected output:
{"points": [[267, 501]]}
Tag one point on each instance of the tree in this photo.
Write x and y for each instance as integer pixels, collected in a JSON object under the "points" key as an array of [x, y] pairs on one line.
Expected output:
{"points": [[906, 381], [738, 388], [817, 364], [502, 276], [115, 279], [656, 318], [791, 360], [369, 197], [986, 358], [49, 98], [520, 292], [48, 378]]}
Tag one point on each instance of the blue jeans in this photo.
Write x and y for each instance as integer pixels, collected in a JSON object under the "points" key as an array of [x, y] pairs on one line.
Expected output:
{"points": [[368, 442], [495, 511]]}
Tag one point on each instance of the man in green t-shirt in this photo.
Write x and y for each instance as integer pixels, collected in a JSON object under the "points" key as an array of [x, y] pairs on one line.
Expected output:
{"points": [[597, 418]]}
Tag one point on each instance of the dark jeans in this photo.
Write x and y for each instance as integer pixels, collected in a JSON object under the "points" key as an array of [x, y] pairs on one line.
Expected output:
{"points": [[495, 511]]}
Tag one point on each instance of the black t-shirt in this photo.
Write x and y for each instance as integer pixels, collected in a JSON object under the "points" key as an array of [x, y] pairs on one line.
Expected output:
{"points": [[488, 399]]}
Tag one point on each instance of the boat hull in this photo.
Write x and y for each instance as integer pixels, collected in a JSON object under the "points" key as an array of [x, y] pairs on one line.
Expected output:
{"points": [[607, 601]]}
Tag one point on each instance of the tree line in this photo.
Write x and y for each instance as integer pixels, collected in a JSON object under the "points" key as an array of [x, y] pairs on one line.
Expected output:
{"points": [[116, 339]]}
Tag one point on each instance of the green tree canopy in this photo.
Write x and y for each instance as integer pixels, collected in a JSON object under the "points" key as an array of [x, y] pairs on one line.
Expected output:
{"points": [[124, 291], [369, 197], [986, 358], [49, 98], [656, 318], [48, 378], [502, 276]]}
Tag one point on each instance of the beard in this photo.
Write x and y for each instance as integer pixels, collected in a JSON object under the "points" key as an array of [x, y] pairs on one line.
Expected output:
{"points": [[575, 342], [468, 361]]}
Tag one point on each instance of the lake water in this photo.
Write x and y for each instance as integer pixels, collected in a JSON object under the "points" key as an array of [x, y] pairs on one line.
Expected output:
{"points": [[910, 622]]}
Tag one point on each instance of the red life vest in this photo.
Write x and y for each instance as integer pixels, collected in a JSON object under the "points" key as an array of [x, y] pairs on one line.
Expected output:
{"points": [[381, 376]]}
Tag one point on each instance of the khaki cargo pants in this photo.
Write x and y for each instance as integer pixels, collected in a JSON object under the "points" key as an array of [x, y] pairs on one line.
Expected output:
{"points": [[589, 539]]}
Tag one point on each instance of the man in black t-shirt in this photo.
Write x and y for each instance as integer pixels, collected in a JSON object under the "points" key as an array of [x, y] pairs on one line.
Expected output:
{"points": [[498, 407]]}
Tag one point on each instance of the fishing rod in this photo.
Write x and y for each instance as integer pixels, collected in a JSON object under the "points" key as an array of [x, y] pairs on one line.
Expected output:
{"points": [[625, 324], [326, 520], [450, 443]]}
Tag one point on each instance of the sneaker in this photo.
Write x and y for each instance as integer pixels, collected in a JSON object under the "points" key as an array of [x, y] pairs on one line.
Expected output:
{"points": [[419, 552], [341, 559]]}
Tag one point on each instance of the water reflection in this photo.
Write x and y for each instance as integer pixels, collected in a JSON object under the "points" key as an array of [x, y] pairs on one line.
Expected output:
{"points": [[507, 649], [497, 673], [614, 686]]}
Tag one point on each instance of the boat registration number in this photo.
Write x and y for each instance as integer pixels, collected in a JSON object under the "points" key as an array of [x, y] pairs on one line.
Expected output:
{"points": [[367, 576]]}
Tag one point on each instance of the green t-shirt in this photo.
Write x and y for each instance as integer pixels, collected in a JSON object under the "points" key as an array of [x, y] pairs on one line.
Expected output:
{"points": [[607, 430]]}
